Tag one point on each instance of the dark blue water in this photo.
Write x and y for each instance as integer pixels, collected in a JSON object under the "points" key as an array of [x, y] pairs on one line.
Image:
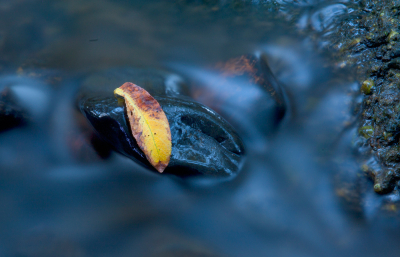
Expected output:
{"points": [[59, 199]]}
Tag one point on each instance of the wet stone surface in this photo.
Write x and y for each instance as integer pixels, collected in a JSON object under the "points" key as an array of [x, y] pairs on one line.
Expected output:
{"points": [[374, 48], [244, 90], [11, 113], [251, 73], [202, 141], [365, 39]]}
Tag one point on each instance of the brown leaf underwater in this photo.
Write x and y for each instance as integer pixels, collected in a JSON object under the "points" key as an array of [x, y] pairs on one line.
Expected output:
{"points": [[148, 123]]}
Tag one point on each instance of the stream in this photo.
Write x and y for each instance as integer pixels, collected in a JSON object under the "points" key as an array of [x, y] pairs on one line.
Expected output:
{"points": [[298, 189]]}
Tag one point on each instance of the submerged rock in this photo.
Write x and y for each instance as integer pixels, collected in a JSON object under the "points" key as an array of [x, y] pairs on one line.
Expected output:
{"points": [[12, 114], [244, 91], [202, 141], [253, 84]]}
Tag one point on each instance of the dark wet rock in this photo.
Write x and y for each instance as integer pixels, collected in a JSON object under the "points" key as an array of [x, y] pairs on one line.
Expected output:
{"points": [[254, 70], [11, 113], [202, 142], [368, 38], [244, 91]]}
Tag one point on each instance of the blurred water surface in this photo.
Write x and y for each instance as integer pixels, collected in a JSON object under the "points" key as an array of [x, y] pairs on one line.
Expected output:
{"points": [[58, 201]]}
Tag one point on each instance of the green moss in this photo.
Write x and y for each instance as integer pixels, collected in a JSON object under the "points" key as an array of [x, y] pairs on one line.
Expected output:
{"points": [[386, 135], [392, 34], [366, 131], [366, 86], [377, 188]]}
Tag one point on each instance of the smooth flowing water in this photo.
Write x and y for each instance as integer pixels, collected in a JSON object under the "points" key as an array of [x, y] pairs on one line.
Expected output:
{"points": [[58, 200]]}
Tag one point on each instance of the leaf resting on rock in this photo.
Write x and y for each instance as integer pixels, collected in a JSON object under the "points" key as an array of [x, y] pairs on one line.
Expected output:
{"points": [[148, 123]]}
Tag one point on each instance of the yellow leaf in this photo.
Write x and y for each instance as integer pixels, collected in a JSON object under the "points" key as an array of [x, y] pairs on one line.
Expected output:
{"points": [[148, 123]]}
